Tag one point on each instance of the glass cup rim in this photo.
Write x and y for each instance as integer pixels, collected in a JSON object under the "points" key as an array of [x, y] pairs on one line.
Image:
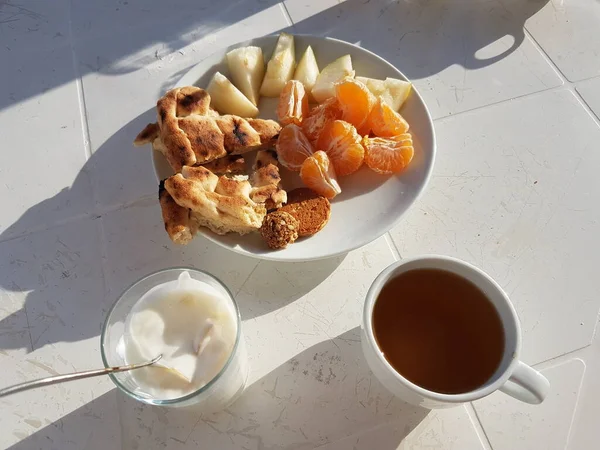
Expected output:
{"points": [[387, 274], [198, 391]]}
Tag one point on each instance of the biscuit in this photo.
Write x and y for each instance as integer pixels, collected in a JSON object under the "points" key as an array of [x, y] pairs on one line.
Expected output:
{"points": [[279, 229], [311, 210]]}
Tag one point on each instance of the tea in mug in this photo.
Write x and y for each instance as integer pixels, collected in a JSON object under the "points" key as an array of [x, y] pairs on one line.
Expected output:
{"points": [[438, 330]]}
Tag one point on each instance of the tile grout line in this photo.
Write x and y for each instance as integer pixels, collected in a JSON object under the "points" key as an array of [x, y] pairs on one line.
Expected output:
{"points": [[577, 400], [595, 332], [286, 13], [28, 326], [586, 106], [571, 84], [570, 87], [80, 94], [561, 359], [83, 116], [246, 280], [392, 246], [476, 422], [545, 56], [565, 87], [102, 241]]}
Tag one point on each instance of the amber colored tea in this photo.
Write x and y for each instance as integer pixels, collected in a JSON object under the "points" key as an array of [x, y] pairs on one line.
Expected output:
{"points": [[438, 330]]}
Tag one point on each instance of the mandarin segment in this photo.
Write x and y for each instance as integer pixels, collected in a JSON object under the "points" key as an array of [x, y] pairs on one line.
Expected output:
{"points": [[355, 100], [293, 103], [293, 147], [319, 117], [385, 122], [388, 155], [318, 174], [343, 145]]}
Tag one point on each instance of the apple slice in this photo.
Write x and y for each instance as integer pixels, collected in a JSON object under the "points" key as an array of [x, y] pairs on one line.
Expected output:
{"points": [[393, 91], [307, 70], [335, 71], [227, 99], [280, 67], [247, 69]]}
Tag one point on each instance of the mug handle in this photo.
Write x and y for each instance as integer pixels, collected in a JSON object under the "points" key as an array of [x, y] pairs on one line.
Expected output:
{"points": [[527, 384]]}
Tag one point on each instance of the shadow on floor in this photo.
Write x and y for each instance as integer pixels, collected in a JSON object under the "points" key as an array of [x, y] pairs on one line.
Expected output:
{"points": [[65, 300], [323, 394], [423, 37]]}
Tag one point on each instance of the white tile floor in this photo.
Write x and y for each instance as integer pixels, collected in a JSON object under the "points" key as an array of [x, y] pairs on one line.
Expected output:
{"points": [[515, 87]]}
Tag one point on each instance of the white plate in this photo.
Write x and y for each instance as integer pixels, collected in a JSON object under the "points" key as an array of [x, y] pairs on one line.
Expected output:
{"points": [[370, 204]]}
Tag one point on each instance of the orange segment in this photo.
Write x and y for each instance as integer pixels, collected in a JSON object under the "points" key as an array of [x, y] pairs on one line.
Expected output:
{"points": [[356, 101], [293, 103], [385, 122], [388, 155], [326, 112], [293, 147], [342, 144], [318, 174]]}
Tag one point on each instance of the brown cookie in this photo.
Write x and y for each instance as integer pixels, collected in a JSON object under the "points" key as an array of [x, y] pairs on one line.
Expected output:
{"points": [[279, 229], [310, 209]]}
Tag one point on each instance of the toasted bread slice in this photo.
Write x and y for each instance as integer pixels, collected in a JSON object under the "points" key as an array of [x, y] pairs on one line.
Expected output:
{"points": [[222, 204], [191, 133], [266, 181], [179, 226], [228, 165], [311, 210]]}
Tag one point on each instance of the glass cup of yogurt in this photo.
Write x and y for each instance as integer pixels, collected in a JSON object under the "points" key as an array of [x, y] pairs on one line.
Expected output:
{"points": [[189, 317]]}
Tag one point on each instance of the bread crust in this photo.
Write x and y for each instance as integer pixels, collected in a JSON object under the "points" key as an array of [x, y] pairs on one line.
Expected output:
{"points": [[189, 132]]}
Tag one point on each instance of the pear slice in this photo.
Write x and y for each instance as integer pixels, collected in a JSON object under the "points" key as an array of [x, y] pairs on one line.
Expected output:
{"points": [[335, 71], [280, 67], [377, 87], [398, 90], [393, 91], [227, 99], [247, 69], [307, 70]]}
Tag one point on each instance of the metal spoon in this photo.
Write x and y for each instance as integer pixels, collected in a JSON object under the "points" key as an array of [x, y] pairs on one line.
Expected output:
{"points": [[72, 376]]}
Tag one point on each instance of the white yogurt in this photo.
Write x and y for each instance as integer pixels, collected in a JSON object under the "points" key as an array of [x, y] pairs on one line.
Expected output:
{"points": [[194, 327]]}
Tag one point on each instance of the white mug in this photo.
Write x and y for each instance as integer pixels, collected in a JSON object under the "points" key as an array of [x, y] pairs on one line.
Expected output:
{"points": [[512, 377]]}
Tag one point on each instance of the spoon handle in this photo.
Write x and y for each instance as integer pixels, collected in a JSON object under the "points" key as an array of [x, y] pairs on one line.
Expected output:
{"points": [[71, 376]]}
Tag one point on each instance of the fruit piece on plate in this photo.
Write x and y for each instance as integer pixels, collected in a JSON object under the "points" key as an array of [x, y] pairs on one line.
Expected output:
{"points": [[293, 103], [293, 147], [377, 87], [247, 69], [307, 70], [356, 101], [343, 145], [384, 121], [393, 91], [398, 91], [388, 155], [318, 174], [227, 99], [319, 117], [280, 67], [337, 70]]}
